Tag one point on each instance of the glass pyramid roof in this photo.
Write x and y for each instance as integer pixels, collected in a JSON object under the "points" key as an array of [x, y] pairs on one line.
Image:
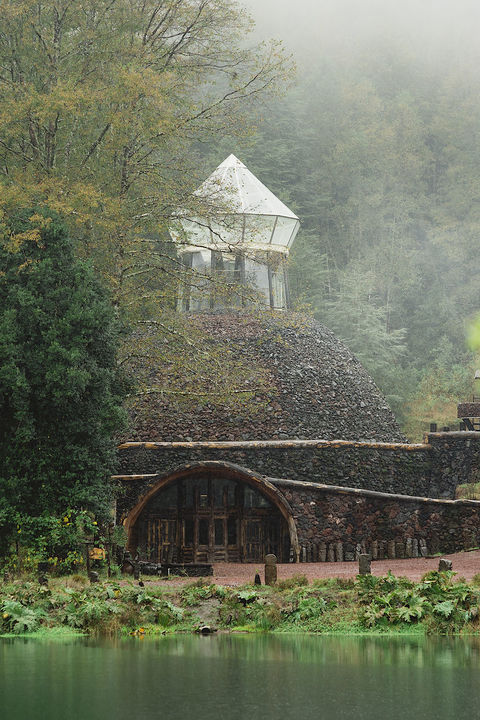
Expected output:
{"points": [[233, 186], [238, 214]]}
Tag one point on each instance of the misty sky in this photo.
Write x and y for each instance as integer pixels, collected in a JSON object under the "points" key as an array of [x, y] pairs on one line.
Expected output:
{"points": [[441, 27]]}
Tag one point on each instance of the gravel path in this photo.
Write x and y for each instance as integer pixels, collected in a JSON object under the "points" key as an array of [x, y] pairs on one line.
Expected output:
{"points": [[465, 564]]}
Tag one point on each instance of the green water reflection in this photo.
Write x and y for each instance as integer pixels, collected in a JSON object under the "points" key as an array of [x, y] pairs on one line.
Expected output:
{"points": [[240, 677]]}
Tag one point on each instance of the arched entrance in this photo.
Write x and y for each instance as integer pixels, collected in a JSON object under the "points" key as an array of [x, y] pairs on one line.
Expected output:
{"points": [[212, 512]]}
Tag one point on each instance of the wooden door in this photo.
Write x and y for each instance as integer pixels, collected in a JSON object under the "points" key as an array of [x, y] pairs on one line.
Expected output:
{"points": [[272, 538], [161, 539], [204, 544], [254, 542]]}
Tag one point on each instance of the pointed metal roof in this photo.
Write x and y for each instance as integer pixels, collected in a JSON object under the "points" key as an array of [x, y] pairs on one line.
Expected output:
{"points": [[233, 186]]}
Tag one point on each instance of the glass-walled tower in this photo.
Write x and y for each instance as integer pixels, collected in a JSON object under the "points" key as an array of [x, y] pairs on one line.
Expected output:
{"points": [[234, 248]]}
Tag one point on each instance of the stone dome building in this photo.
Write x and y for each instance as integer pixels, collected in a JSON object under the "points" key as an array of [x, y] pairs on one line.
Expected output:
{"points": [[270, 437], [300, 383]]}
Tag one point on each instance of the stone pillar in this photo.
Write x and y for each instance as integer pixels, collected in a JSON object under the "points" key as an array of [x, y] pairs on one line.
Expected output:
{"points": [[270, 569], [364, 564], [408, 548], [415, 548], [444, 565], [391, 550]]}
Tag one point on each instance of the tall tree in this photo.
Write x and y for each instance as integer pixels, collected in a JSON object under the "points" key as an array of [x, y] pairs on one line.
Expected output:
{"points": [[60, 390], [101, 102]]}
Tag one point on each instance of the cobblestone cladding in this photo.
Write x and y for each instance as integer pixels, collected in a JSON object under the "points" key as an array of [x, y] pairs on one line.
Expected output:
{"points": [[383, 467], [336, 524], [301, 383], [432, 469], [455, 461]]}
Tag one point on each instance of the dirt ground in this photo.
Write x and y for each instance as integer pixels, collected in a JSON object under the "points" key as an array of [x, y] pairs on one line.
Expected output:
{"points": [[466, 564]]}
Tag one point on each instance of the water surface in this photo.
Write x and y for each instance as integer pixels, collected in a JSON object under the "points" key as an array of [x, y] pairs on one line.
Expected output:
{"points": [[281, 677]]}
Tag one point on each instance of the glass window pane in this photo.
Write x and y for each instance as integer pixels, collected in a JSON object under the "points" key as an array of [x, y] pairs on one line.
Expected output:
{"points": [[219, 533], [203, 531], [231, 487], [256, 275], [258, 229], [278, 289], [285, 231], [232, 530], [164, 500], [188, 492], [227, 231], [253, 499], [189, 528], [224, 492], [203, 496], [195, 232], [218, 485]]}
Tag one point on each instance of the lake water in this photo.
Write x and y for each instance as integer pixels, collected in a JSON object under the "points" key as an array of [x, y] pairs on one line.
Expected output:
{"points": [[281, 677]]}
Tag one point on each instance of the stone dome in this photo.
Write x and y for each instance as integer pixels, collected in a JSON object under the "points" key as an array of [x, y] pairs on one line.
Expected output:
{"points": [[296, 380]]}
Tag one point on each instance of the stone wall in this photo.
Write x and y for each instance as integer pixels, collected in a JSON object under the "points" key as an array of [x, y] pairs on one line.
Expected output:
{"points": [[335, 524], [385, 467], [432, 469], [346, 497], [455, 459]]}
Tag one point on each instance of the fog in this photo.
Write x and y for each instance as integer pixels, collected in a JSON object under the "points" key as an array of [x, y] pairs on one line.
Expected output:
{"points": [[376, 146], [436, 28]]}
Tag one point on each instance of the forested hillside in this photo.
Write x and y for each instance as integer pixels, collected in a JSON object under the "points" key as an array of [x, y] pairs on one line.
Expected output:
{"points": [[376, 148], [373, 142]]}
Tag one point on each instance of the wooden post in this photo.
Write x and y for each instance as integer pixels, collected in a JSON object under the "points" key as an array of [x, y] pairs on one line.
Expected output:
{"points": [[87, 559], [108, 550]]}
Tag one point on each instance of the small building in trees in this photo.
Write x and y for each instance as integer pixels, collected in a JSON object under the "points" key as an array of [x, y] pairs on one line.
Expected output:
{"points": [[241, 241], [282, 443]]}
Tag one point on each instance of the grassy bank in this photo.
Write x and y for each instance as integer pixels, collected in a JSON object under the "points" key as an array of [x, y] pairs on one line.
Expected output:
{"points": [[438, 604]]}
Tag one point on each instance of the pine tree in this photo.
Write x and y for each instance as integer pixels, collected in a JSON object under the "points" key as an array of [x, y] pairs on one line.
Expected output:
{"points": [[60, 390]]}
